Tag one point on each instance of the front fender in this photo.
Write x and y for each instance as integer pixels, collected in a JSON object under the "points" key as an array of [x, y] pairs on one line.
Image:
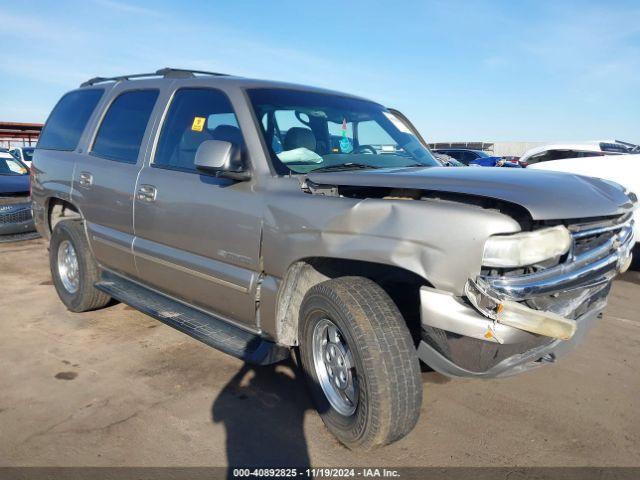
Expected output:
{"points": [[441, 241]]}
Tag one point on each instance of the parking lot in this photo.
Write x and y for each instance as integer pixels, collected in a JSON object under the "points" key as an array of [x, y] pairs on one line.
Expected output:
{"points": [[115, 387]]}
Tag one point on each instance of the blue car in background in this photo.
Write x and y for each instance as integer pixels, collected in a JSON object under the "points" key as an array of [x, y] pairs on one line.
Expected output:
{"points": [[476, 158], [493, 162], [15, 198], [463, 155]]}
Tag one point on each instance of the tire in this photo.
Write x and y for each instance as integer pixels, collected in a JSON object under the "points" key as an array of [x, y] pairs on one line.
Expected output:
{"points": [[85, 296], [387, 370]]}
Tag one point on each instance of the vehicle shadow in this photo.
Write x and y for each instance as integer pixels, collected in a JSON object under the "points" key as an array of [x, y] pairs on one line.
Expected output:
{"points": [[262, 409]]}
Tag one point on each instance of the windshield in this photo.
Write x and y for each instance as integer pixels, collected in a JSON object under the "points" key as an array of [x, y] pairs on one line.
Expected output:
{"points": [[11, 166], [308, 131], [27, 153]]}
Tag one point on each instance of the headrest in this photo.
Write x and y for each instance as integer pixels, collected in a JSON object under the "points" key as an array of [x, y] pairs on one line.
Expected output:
{"points": [[299, 137], [227, 133]]}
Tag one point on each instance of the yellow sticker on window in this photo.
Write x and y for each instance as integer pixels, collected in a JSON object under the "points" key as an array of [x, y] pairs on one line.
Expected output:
{"points": [[198, 124]]}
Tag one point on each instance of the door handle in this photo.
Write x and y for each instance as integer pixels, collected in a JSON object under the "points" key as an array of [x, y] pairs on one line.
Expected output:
{"points": [[85, 179], [147, 193]]}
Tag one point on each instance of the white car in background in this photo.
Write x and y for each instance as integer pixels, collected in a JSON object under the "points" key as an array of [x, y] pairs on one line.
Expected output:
{"points": [[560, 151], [622, 169], [24, 154]]}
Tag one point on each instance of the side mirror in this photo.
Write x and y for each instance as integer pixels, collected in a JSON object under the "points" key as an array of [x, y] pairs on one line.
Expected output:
{"points": [[221, 158]]}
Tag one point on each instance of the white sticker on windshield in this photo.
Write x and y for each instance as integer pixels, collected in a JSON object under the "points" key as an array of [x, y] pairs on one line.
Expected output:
{"points": [[399, 124]]}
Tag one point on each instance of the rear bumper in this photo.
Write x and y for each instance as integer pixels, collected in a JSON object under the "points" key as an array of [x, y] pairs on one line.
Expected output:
{"points": [[458, 341], [16, 219]]}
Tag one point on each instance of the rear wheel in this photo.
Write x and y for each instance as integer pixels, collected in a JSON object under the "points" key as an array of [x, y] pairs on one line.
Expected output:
{"points": [[360, 362], [73, 268]]}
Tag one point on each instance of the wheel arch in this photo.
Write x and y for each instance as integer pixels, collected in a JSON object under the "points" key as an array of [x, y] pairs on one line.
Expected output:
{"points": [[402, 285], [58, 209]]}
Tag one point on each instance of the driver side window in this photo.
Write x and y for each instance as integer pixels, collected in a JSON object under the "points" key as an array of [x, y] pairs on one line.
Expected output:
{"points": [[195, 116]]}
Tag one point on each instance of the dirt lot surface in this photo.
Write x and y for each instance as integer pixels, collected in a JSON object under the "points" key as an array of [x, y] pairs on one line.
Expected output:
{"points": [[115, 387]]}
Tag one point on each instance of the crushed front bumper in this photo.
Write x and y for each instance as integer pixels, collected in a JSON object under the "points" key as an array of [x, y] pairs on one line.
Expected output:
{"points": [[508, 324], [459, 341]]}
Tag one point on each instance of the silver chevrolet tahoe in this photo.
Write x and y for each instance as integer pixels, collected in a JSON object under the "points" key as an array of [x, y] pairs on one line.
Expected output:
{"points": [[263, 218]]}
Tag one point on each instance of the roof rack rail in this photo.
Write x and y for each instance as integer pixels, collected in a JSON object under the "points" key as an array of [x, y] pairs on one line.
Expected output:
{"points": [[169, 72], [163, 72]]}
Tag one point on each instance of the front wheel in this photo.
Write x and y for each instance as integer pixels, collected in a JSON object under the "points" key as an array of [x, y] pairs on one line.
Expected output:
{"points": [[360, 362]]}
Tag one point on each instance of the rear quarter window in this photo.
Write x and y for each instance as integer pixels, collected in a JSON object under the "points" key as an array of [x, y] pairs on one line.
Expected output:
{"points": [[69, 119]]}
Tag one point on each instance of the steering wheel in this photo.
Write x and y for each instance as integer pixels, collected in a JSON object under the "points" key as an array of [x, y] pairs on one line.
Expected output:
{"points": [[365, 149]]}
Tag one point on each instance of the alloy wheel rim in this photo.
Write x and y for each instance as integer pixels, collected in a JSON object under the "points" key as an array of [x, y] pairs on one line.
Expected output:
{"points": [[335, 367], [68, 269]]}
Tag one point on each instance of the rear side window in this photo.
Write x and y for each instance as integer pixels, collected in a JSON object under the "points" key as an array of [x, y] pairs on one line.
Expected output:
{"points": [[68, 119], [121, 132], [454, 154], [195, 115]]}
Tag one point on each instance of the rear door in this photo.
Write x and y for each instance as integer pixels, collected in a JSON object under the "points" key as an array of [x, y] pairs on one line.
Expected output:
{"points": [[197, 235], [105, 176]]}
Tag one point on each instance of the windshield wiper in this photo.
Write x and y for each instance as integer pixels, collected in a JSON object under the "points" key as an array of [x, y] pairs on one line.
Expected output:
{"points": [[344, 166]]}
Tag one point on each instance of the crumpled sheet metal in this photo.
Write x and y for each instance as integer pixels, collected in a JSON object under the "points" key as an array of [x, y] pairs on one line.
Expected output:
{"points": [[442, 241]]}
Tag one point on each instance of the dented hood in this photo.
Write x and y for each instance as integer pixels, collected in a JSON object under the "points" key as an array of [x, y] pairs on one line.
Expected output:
{"points": [[546, 195]]}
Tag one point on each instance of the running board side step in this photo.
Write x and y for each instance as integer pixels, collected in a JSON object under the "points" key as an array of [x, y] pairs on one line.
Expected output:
{"points": [[207, 328]]}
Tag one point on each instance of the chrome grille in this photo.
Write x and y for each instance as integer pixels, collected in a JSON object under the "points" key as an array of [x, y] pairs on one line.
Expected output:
{"points": [[586, 243], [598, 236]]}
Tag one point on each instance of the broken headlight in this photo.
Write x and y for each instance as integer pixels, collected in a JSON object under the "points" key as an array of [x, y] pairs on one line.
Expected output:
{"points": [[526, 248]]}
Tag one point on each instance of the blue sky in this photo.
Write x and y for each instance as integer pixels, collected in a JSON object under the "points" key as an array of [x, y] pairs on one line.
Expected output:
{"points": [[461, 70]]}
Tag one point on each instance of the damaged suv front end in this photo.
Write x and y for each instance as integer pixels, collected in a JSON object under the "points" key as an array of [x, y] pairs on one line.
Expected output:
{"points": [[526, 308], [510, 298], [515, 265]]}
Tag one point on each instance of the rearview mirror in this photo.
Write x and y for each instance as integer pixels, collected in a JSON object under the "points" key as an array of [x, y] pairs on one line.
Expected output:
{"points": [[221, 158]]}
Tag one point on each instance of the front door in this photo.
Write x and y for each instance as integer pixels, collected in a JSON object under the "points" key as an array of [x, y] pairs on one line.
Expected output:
{"points": [[198, 236]]}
